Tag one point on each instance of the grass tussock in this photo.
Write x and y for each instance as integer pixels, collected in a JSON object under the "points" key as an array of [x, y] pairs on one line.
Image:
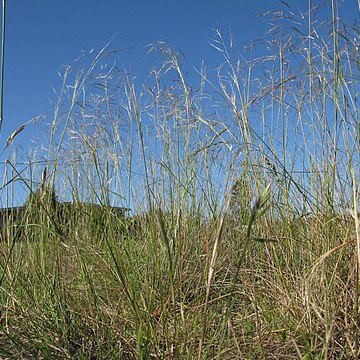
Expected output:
{"points": [[243, 241]]}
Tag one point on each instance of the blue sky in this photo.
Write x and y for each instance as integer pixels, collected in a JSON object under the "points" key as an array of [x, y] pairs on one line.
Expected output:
{"points": [[43, 35]]}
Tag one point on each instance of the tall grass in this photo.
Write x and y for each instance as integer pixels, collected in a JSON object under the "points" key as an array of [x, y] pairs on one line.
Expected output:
{"points": [[244, 237]]}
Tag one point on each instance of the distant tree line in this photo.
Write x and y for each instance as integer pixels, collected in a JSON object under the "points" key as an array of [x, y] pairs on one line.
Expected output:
{"points": [[43, 208]]}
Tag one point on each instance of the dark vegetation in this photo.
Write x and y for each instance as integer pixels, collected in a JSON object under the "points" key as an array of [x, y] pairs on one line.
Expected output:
{"points": [[43, 208]]}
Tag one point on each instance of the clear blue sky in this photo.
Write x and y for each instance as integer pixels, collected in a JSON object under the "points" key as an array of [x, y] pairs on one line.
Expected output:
{"points": [[42, 35]]}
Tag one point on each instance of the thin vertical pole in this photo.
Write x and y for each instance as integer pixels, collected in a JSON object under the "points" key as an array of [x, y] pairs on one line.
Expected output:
{"points": [[3, 18]]}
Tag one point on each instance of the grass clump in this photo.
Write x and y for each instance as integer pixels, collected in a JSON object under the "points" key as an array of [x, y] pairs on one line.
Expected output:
{"points": [[243, 240]]}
